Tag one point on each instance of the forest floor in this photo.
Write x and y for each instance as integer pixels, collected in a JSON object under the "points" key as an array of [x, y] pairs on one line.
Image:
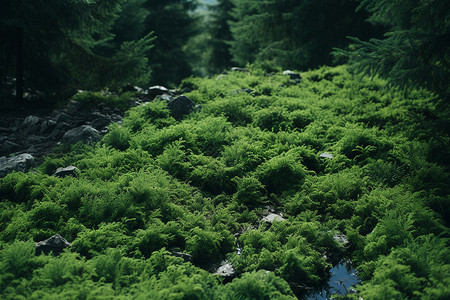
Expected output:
{"points": [[281, 179]]}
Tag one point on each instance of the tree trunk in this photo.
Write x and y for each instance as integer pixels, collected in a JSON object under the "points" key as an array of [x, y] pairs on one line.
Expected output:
{"points": [[19, 65]]}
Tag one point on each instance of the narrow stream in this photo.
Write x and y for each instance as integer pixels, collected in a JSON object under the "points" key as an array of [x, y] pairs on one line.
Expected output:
{"points": [[343, 279]]}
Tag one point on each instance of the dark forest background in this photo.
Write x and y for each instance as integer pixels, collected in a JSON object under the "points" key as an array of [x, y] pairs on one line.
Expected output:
{"points": [[56, 47]]}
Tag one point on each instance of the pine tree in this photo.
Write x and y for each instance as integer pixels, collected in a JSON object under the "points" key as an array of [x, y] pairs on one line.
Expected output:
{"points": [[220, 57], [50, 45], [416, 49], [294, 33], [174, 24]]}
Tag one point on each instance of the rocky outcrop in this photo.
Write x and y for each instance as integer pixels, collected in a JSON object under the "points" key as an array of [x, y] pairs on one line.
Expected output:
{"points": [[21, 163]]}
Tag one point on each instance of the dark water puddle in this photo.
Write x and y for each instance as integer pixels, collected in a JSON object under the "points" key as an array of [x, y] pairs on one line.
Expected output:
{"points": [[343, 279]]}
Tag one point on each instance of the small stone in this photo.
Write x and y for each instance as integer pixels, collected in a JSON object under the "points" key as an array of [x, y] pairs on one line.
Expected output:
{"points": [[67, 171], [63, 117], [30, 121], [326, 155], [54, 244], [270, 218], [101, 121], [341, 239], [292, 75], [47, 126], [237, 69], [180, 106], [73, 106], [157, 90], [185, 256], [226, 269]]}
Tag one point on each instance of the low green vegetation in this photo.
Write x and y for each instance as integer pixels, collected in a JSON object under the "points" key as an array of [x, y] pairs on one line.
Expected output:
{"points": [[201, 185]]}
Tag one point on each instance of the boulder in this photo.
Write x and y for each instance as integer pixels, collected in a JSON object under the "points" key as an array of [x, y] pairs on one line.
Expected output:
{"points": [[85, 134], [67, 171], [180, 106], [292, 75], [55, 244], [21, 163]]}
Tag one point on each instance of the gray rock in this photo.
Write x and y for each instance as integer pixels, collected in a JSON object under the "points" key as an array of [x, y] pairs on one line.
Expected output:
{"points": [[34, 139], [326, 155], [101, 121], [67, 171], [85, 134], [180, 106], [185, 256], [47, 126], [116, 117], [341, 239], [55, 244], [292, 75], [226, 269], [30, 121], [237, 69], [21, 163], [166, 97], [31, 124], [270, 218], [63, 117], [8, 147], [59, 130], [157, 90], [132, 88], [73, 106]]}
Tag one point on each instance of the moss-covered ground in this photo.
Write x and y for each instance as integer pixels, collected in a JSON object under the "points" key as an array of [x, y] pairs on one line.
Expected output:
{"points": [[202, 185]]}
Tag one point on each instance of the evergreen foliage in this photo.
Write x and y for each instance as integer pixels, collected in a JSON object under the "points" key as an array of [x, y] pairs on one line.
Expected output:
{"points": [[173, 23], [414, 51], [220, 57], [53, 44], [294, 34]]}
